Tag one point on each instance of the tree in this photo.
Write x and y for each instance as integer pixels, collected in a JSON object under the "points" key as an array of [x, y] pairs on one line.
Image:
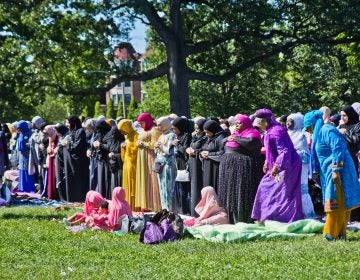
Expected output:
{"points": [[119, 112], [97, 110], [47, 46], [131, 110], [243, 32], [110, 113]]}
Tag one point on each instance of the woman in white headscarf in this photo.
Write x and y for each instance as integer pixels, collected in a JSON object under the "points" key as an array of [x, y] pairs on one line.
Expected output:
{"points": [[164, 151], [295, 124]]}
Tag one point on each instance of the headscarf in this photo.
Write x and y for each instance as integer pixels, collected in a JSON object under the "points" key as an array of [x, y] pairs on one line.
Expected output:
{"points": [[208, 204], [90, 123], [118, 207], [148, 119], [212, 126], [38, 122], [356, 107], [165, 122], [74, 122], [326, 113], [61, 128], [200, 123], [182, 124], [353, 117], [296, 134], [125, 126], [102, 127], [247, 132], [92, 202], [314, 118], [267, 115], [23, 126], [50, 130], [336, 119]]}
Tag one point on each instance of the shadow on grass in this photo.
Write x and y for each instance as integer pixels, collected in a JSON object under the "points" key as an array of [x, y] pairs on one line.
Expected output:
{"points": [[14, 216]]}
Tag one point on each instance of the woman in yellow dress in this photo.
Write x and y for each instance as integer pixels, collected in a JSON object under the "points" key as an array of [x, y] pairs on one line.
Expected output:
{"points": [[128, 155]]}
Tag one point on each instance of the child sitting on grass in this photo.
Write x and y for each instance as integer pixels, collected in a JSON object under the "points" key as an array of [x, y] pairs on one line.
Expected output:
{"points": [[95, 219], [92, 202]]}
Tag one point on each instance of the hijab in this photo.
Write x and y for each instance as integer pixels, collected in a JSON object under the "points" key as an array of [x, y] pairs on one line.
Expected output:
{"points": [[102, 127], [267, 115], [212, 126], [182, 124], [165, 122], [200, 123], [118, 207], [147, 119], [248, 131], [353, 117], [50, 130], [208, 204], [92, 202], [61, 128], [296, 134], [74, 122]]}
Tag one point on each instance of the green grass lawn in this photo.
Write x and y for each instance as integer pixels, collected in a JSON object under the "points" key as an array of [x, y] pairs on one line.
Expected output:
{"points": [[32, 246]]}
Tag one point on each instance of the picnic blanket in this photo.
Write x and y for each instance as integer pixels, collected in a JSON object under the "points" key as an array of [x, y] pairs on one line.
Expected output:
{"points": [[265, 231]]}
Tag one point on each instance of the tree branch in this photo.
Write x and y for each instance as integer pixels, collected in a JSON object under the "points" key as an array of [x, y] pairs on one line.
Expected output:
{"points": [[219, 79], [159, 71]]}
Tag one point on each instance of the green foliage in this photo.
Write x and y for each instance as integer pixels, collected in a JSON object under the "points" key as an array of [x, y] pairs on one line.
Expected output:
{"points": [[97, 110], [119, 112], [31, 233], [110, 113], [54, 109], [157, 100], [131, 110]]}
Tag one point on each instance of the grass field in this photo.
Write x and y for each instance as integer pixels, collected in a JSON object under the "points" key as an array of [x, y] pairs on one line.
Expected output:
{"points": [[33, 246]]}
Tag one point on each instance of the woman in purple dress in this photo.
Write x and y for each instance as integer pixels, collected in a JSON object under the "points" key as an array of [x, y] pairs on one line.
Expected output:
{"points": [[278, 197]]}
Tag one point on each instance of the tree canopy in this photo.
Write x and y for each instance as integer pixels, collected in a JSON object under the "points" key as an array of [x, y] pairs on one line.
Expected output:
{"points": [[219, 56]]}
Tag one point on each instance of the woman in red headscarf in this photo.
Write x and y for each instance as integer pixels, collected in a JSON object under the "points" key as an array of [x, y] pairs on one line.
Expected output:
{"points": [[147, 194], [240, 170]]}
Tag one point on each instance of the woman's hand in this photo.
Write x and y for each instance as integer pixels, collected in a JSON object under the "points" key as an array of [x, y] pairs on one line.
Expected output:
{"points": [[265, 167], [274, 171], [336, 178], [190, 151], [96, 144], [204, 154]]}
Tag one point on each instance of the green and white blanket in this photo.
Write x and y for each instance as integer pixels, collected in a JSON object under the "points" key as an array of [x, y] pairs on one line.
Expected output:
{"points": [[246, 232]]}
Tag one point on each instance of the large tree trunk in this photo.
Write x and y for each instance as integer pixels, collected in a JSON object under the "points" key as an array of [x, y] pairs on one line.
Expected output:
{"points": [[178, 81]]}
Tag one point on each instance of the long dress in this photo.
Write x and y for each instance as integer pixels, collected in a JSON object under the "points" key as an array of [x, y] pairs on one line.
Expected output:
{"points": [[302, 148], [26, 181], [128, 155], [279, 198], [352, 138], [240, 173], [52, 191], [76, 166], [166, 177], [195, 168], [338, 200], [181, 190], [215, 147]]}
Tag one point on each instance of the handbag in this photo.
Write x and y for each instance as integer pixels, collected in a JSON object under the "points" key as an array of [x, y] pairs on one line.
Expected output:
{"points": [[182, 176]]}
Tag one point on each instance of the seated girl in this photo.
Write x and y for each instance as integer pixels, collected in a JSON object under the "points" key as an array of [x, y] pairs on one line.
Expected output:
{"points": [[118, 209], [92, 203], [210, 213]]}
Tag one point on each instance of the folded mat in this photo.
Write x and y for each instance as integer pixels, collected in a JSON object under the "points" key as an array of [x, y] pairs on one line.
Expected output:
{"points": [[246, 232]]}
